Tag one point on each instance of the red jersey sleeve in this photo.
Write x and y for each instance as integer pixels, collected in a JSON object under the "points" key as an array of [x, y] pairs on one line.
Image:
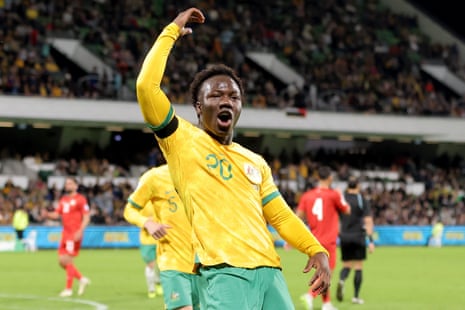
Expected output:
{"points": [[340, 202]]}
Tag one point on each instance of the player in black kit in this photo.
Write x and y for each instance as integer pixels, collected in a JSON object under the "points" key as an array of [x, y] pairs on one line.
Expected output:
{"points": [[355, 228]]}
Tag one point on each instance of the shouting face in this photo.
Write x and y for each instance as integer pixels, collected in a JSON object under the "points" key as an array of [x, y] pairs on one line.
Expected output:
{"points": [[219, 107]]}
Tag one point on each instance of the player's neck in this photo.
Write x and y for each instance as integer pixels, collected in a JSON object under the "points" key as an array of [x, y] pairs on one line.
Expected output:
{"points": [[221, 139]]}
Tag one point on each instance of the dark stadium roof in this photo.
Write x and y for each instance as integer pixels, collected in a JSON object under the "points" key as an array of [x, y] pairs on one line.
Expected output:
{"points": [[446, 12]]}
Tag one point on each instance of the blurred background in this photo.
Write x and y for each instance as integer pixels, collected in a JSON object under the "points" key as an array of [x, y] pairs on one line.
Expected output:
{"points": [[371, 88]]}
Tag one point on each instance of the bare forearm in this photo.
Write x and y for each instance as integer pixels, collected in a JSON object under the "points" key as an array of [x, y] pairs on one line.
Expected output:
{"points": [[53, 215], [369, 226], [85, 222]]}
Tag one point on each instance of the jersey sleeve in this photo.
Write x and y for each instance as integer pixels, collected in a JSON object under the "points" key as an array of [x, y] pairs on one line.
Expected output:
{"points": [[291, 228], [133, 216], [340, 202], [269, 190], [137, 201], [366, 208], [59, 208], [85, 205], [153, 102], [302, 205]]}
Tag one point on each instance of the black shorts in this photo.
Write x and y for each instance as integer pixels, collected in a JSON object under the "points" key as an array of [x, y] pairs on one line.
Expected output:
{"points": [[353, 251]]}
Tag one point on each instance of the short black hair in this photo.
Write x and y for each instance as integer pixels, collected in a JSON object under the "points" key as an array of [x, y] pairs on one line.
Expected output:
{"points": [[352, 183], [324, 172], [205, 74]]}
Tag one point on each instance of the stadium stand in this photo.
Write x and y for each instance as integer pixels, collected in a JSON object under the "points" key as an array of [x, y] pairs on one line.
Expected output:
{"points": [[353, 56], [408, 192]]}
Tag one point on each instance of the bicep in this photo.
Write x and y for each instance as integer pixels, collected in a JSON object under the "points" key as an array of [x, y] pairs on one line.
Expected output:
{"points": [[156, 109]]}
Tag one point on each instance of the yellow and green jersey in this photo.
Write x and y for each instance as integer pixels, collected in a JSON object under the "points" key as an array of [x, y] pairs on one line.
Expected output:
{"points": [[224, 189], [156, 190], [228, 191]]}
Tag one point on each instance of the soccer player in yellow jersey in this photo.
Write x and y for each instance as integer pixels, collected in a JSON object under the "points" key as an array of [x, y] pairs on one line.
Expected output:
{"points": [[175, 255], [148, 251], [227, 190]]}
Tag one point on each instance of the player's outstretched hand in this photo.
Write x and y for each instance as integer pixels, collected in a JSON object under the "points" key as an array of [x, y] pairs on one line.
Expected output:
{"points": [[321, 279], [192, 15]]}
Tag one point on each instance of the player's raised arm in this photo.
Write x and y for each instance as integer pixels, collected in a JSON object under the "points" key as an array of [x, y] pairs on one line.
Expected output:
{"points": [[154, 104]]}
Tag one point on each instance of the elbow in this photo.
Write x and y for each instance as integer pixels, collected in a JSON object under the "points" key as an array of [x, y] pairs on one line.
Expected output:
{"points": [[126, 213], [141, 86], [147, 94], [144, 85]]}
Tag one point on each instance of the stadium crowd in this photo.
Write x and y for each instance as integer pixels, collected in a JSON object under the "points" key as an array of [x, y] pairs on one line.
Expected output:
{"points": [[443, 181], [353, 55]]}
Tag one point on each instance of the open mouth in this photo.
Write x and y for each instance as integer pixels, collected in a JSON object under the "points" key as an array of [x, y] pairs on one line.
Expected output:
{"points": [[225, 118]]}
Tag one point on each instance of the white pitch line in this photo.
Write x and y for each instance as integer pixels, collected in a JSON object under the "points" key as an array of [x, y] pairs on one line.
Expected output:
{"points": [[96, 305]]}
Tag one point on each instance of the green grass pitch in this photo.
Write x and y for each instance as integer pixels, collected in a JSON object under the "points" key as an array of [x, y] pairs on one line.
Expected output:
{"points": [[397, 278]]}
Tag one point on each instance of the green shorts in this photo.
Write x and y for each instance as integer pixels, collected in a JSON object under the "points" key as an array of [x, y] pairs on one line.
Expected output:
{"points": [[180, 289], [148, 252], [231, 288]]}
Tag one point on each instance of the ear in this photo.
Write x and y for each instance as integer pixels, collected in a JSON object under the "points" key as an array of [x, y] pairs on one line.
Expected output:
{"points": [[198, 108]]}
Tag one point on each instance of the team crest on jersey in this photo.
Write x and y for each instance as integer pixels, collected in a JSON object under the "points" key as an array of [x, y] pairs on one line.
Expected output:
{"points": [[174, 296], [253, 174]]}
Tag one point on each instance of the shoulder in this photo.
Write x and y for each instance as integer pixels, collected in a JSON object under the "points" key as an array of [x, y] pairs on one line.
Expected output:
{"points": [[349, 195], [80, 198], [185, 124], [154, 175], [251, 155], [186, 132], [310, 195], [309, 192], [162, 172], [151, 173], [334, 192]]}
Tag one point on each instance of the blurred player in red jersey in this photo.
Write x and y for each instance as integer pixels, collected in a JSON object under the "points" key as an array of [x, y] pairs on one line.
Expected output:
{"points": [[320, 208], [74, 211]]}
